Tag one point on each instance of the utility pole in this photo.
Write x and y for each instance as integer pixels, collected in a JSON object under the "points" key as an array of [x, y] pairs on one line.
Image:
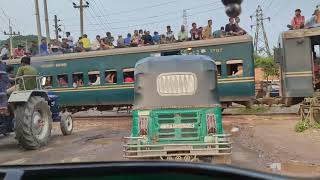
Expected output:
{"points": [[36, 4], [56, 27], [81, 7], [11, 34], [45, 5], [261, 45], [185, 19]]}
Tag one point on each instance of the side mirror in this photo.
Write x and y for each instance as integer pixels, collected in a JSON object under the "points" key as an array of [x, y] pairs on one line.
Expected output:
{"points": [[43, 81]]}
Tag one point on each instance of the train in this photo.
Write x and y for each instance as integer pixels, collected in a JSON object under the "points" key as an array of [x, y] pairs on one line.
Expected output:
{"points": [[100, 78]]}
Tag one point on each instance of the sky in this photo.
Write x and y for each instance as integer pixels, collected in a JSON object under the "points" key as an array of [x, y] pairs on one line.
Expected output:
{"points": [[124, 16]]}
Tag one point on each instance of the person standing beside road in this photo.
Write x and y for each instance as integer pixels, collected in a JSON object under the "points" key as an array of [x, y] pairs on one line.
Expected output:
{"points": [[30, 81]]}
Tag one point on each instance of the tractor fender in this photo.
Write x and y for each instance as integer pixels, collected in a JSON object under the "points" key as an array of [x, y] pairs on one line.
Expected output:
{"points": [[24, 96]]}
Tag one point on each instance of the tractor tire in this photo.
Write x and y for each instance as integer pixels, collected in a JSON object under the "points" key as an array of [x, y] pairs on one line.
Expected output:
{"points": [[33, 123], [66, 124]]}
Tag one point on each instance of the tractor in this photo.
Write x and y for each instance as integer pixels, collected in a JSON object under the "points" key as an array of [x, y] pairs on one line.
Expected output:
{"points": [[30, 113]]}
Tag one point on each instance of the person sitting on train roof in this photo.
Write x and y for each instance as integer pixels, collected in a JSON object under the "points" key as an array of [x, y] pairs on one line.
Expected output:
{"points": [[156, 38], [207, 31], [147, 39], [43, 48], [195, 33], [170, 35], [86, 42], [96, 44], [183, 34], [241, 30], [34, 49], [314, 21], [97, 82], [79, 46], [219, 33], [127, 40], [110, 79], [231, 28], [18, 52], [135, 39], [4, 54], [108, 40], [163, 39], [298, 21], [120, 42], [70, 40]]}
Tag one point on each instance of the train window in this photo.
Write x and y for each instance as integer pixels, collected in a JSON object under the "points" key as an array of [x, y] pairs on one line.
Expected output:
{"points": [[128, 75], [94, 78], [77, 79], [63, 80], [48, 83], [235, 68], [316, 51], [170, 53], [218, 68], [111, 76]]}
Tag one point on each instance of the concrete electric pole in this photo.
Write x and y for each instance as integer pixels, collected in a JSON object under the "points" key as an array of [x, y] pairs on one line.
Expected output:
{"points": [[57, 26], [261, 45], [81, 7], [45, 5], [11, 34], [36, 4]]}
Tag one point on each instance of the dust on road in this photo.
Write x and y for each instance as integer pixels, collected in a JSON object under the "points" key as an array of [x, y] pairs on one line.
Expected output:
{"points": [[265, 143]]}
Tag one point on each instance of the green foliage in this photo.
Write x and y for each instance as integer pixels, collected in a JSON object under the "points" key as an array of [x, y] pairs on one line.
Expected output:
{"points": [[20, 40], [301, 126], [268, 65]]}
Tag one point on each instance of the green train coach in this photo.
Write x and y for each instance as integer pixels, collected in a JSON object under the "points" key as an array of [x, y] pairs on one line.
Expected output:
{"points": [[105, 79]]}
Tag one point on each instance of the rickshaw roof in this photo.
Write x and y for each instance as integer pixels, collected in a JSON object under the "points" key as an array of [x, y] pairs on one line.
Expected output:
{"points": [[164, 82]]}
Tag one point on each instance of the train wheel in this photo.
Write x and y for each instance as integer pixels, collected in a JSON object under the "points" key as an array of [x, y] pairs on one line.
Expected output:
{"points": [[33, 123], [66, 124]]}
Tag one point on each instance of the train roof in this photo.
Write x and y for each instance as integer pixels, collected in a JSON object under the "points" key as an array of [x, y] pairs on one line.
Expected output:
{"points": [[142, 49], [300, 33]]}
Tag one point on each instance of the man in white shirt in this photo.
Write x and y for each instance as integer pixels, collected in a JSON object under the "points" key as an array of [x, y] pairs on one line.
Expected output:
{"points": [[4, 54], [97, 81], [96, 44], [70, 40]]}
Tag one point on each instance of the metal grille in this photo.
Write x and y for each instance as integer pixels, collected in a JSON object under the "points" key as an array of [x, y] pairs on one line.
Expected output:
{"points": [[178, 126], [176, 84]]}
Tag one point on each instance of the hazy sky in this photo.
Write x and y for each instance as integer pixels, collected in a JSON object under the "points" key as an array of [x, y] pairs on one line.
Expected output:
{"points": [[123, 16]]}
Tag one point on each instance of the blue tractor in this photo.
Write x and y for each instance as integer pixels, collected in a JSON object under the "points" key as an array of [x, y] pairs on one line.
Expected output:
{"points": [[30, 113]]}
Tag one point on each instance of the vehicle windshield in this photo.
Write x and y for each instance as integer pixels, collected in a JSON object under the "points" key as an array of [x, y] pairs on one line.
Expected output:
{"points": [[178, 80]]}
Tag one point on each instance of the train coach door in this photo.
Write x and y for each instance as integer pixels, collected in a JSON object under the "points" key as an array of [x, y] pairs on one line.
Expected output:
{"points": [[297, 75]]}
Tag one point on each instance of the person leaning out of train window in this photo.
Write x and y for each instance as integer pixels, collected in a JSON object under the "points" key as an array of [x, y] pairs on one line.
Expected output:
{"points": [[110, 79], [28, 83], [297, 21], [239, 73], [86, 42], [97, 82], [128, 79], [63, 82]]}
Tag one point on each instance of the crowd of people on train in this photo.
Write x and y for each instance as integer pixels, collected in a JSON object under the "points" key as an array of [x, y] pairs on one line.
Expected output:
{"points": [[137, 38], [300, 22]]}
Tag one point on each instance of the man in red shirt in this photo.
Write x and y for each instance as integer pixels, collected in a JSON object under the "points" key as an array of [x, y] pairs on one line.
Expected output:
{"points": [[19, 52], [298, 21]]}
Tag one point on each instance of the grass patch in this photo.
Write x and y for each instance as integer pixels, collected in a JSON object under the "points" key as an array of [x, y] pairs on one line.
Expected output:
{"points": [[301, 126], [254, 110]]}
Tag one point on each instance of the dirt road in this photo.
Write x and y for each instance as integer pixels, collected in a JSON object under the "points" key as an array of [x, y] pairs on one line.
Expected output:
{"points": [[263, 143]]}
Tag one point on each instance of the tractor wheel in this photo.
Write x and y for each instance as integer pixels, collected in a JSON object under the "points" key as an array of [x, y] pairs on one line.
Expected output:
{"points": [[225, 159], [33, 123], [66, 124]]}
